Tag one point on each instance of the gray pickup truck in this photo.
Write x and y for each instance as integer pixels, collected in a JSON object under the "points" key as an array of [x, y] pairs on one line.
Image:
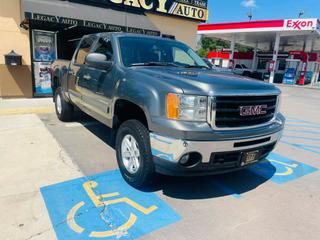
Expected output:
{"points": [[169, 112]]}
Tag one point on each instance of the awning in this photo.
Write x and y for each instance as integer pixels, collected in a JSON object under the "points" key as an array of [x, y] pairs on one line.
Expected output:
{"points": [[64, 12]]}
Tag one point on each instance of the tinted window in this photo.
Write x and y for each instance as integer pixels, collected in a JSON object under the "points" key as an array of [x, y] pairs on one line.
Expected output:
{"points": [[238, 66], [140, 50], [208, 62], [282, 65], [262, 64], [84, 50], [180, 56], [104, 46]]}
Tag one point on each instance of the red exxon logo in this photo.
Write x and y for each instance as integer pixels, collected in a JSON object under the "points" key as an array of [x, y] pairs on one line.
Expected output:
{"points": [[299, 24]]}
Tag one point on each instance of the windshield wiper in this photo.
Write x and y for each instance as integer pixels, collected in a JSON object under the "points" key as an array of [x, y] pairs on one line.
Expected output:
{"points": [[196, 66], [154, 64]]}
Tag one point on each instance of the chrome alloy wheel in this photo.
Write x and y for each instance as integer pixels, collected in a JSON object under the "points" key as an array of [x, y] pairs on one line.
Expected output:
{"points": [[59, 104], [130, 154]]}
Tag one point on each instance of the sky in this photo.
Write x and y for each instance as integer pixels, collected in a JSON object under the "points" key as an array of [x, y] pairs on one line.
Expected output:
{"points": [[236, 10]]}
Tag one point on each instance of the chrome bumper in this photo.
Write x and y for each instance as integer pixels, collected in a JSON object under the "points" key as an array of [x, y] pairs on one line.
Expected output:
{"points": [[172, 150]]}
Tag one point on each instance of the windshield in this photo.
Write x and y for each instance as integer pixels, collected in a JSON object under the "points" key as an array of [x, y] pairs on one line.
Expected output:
{"points": [[141, 51], [208, 62]]}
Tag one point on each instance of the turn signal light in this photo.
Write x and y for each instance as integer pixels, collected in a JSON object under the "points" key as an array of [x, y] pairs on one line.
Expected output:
{"points": [[173, 102]]}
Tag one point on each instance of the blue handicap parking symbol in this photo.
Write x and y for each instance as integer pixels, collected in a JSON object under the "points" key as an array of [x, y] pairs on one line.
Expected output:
{"points": [[104, 206], [286, 169]]}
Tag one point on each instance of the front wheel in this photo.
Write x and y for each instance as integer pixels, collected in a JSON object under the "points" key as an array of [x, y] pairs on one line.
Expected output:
{"points": [[134, 155], [64, 109]]}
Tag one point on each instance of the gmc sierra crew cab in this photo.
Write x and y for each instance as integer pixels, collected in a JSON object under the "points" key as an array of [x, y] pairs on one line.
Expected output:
{"points": [[169, 112]]}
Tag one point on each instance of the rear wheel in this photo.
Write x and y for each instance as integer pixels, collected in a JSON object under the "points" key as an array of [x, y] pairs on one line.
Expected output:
{"points": [[247, 74], [134, 155], [64, 109]]}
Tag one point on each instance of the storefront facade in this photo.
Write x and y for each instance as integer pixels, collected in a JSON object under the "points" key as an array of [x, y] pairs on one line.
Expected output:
{"points": [[44, 30]]}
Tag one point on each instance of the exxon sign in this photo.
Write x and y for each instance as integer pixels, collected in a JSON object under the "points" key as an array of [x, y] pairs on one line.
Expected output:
{"points": [[300, 24]]}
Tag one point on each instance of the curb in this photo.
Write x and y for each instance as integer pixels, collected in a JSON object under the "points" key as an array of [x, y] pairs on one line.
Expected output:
{"points": [[18, 111]]}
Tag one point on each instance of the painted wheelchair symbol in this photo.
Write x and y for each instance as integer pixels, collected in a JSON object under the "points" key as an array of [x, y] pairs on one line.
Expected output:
{"points": [[98, 202], [289, 168]]}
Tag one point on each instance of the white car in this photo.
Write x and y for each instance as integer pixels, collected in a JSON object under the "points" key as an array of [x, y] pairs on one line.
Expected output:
{"points": [[217, 68], [242, 69]]}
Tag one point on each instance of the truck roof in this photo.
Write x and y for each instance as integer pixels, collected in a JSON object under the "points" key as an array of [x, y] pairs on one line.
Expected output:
{"points": [[124, 34]]}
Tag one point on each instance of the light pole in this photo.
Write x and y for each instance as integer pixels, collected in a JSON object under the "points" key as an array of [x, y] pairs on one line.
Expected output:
{"points": [[250, 15], [301, 13]]}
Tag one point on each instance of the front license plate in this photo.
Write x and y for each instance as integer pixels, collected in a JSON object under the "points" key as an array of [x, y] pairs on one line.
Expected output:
{"points": [[250, 157]]}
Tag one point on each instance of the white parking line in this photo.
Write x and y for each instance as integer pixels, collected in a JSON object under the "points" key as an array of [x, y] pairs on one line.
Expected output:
{"points": [[85, 124]]}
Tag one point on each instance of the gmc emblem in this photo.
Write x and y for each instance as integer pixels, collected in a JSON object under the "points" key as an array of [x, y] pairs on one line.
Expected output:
{"points": [[253, 110]]}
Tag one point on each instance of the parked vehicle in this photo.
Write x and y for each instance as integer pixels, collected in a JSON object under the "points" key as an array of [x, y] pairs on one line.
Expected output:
{"points": [[242, 69], [217, 68], [170, 113]]}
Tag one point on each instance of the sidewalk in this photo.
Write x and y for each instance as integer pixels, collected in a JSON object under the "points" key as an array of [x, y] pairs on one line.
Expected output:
{"points": [[30, 159], [316, 86], [26, 106]]}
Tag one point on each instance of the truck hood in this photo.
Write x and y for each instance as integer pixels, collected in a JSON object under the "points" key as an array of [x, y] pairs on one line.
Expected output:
{"points": [[204, 82]]}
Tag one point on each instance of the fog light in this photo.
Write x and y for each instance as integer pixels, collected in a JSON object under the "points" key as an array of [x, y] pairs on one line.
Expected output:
{"points": [[184, 160], [190, 159]]}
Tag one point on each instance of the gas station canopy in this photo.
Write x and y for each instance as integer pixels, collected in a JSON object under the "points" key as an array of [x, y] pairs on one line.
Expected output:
{"points": [[295, 34], [299, 38]]}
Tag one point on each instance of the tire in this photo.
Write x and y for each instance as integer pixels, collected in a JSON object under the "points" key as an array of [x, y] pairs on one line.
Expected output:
{"points": [[64, 109], [246, 74], [143, 175]]}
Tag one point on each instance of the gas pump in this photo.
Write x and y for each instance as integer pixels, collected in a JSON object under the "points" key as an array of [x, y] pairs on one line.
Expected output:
{"points": [[303, 73], [292, 66], [313, 68], [271, 66], [316, 75], [310, 69], [231, 64], [296, 69]]}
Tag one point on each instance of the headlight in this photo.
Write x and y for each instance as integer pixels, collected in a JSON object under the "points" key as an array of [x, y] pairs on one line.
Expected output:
{"points": [[279, 103], [187, 107]]}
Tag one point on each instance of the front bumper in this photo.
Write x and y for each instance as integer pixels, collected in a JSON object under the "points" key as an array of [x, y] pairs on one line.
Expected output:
{"points": [[168, 151]]}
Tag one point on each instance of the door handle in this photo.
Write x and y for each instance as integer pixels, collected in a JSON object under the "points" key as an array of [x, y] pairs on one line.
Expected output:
{"points": [[87, 77]]}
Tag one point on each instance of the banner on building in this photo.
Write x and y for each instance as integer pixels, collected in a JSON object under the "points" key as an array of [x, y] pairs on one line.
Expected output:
{"points": [[44, 46], [42, 78]]}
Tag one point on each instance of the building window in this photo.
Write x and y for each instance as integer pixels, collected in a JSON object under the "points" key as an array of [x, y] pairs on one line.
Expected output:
{"points": [[282, 65], [262, 64]]}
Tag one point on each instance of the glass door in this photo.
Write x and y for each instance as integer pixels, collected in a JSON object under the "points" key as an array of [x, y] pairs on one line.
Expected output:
{"points": [[44, 52]]}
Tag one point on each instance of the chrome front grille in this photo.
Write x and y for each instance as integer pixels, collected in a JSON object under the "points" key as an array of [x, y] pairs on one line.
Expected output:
{"points": [[225, 111]]}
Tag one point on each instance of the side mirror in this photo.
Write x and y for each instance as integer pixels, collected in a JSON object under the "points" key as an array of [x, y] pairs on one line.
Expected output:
{"points": [[98, 60]]}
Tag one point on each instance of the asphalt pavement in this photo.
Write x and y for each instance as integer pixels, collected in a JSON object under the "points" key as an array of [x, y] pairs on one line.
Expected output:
{"points": [[83, 195]]}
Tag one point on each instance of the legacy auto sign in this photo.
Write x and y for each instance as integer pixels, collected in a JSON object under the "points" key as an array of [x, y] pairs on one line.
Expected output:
{"points": [[193, 9], [88, 24]]}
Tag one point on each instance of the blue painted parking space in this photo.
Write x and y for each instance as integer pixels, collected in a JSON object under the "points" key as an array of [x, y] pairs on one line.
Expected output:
{"points": [[275, 168], [302, 134], [104, 206], [287, 169], [306, 147]]}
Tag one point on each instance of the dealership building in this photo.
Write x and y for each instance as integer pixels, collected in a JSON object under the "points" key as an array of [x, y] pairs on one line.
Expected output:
{"points": [[36, 32]]}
